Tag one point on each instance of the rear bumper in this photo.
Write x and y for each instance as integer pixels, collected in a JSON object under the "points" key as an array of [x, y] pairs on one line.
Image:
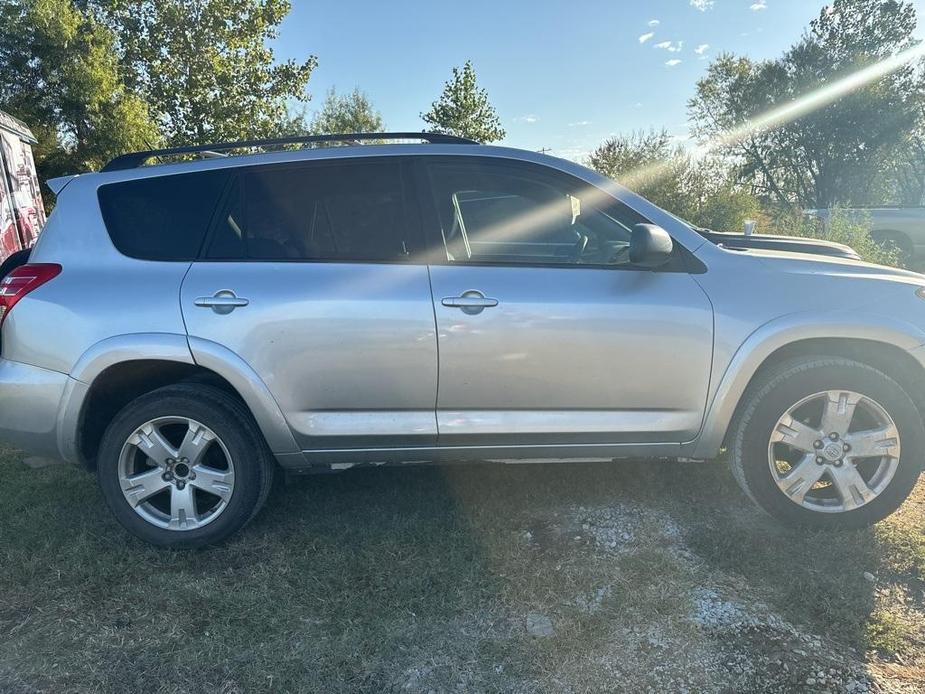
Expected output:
{"points": [[30, 402]]}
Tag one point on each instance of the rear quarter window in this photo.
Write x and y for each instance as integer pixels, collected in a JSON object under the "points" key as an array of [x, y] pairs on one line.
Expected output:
{"points": [[161, 218]]}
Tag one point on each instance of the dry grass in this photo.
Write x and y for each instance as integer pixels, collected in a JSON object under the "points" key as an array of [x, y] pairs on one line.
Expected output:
{"points": [[652, 574]]}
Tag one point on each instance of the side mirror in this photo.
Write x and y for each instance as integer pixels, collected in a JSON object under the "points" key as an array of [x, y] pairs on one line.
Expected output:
{"points": [[650, 246]]}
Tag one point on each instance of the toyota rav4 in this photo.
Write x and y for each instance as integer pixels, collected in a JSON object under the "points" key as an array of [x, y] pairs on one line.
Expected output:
{"points": [[186, 329]]}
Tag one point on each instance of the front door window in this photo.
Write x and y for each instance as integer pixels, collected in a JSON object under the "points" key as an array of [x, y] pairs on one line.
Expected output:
{"points": [[497, 213]]}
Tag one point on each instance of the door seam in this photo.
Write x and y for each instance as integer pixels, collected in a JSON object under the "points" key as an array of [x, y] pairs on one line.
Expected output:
{"points": [[433, 308]]}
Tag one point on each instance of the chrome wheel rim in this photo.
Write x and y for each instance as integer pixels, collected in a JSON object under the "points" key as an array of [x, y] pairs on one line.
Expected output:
{"points": [[834, 451], [176, 473]]}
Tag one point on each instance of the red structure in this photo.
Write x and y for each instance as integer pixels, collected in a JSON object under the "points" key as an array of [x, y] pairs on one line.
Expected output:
{"points": [[22, 214]]}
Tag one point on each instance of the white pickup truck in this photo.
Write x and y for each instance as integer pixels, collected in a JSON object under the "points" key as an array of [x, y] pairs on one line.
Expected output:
{"points": [[904, 227]]}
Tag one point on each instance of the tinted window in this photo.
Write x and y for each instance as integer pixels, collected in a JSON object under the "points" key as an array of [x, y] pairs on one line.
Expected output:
{"points": [[345, 212], [494, 212], [161, 218]]}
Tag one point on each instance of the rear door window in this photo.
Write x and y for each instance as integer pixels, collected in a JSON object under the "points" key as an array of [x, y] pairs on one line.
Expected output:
{"points": [[162, 218], [321, 211]]}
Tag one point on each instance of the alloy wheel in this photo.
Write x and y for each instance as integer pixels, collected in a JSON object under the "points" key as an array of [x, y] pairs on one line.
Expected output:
{"points": [[834, 451], [176, 473]]}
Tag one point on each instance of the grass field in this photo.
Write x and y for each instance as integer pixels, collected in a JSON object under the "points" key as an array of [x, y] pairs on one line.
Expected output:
{"points": [[618, 577]]}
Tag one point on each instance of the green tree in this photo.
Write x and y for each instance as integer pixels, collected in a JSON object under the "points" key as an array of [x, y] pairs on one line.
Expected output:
{"points": [[463, 109], [651, 164], [904, 182], [726, 208], [205, 67], [648, 163], [832, 154], [61, 76], [347, 113]]}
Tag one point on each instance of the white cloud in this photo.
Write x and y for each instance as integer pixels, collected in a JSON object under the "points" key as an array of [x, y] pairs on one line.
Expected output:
{"points": [[654, 22], [576, 154], [702, 5], [672, 62], [529, 118], [759, 5], [646, 37], [579, 124], [702, 48], [671, 46]]}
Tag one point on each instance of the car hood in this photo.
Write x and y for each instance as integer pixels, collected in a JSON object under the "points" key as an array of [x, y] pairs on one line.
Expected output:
{"points": [[804, 263], [790, 244]]}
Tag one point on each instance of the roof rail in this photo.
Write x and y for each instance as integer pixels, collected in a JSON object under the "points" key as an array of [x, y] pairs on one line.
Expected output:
{"points": [[136, 159]]}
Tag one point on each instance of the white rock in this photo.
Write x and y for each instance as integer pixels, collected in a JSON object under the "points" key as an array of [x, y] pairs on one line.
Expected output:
{"points": [[37, 463], [539, 625]]}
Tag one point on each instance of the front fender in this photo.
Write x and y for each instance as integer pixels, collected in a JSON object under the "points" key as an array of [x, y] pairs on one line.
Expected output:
{"points": [[778, 333]]}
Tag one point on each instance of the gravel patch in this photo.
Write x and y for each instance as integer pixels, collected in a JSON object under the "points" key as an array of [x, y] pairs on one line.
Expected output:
{"points": [[728, 640]]}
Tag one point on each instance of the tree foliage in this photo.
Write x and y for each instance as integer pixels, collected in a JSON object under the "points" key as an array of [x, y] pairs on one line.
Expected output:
{"points": [[904, 181], [61, 75], [835, 153], [205, 67], [347, 113], [848, 227], [463, 109], [651, 164], [648, 163]]}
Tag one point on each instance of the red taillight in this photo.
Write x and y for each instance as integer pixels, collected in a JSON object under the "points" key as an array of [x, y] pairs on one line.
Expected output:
{"points": [[23, 280]]}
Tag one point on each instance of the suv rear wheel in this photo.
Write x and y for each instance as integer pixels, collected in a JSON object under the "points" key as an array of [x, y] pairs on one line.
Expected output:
{"points": [[827, 442], [184, 466]]}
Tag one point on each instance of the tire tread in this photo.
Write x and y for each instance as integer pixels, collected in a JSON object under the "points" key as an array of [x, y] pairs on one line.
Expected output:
{"points": [[765, 384], [229, 407]]}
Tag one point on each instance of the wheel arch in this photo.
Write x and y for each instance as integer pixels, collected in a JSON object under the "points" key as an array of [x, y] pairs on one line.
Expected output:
{"points": [[873, 340], [890, 231], [117, 370], [904, 242]]}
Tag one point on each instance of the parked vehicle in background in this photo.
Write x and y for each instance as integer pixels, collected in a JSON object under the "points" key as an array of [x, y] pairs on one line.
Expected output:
{"points": [[187, 328], [22, 213], [902, 228]]}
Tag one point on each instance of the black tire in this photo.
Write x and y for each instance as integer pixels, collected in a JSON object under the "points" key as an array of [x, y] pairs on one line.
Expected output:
{"points": [[775, 392], [229, 419]]}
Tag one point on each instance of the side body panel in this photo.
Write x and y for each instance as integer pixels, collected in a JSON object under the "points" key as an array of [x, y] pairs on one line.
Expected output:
{"points": [[348, 351], [572, 355], [100, 293]]}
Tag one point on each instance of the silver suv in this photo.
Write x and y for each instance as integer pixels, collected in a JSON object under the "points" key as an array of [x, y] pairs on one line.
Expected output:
{"points": [[185, 329]]}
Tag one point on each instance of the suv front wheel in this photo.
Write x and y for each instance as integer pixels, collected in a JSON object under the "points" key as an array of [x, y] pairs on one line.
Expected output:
{"points": [[828, 443], [184, 466]]}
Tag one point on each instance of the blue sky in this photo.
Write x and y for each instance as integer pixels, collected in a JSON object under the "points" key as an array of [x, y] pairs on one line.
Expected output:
{"points": [[562, 75]]}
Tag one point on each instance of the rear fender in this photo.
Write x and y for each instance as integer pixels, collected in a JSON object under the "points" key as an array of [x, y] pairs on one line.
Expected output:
{"points": [[171, 348]]}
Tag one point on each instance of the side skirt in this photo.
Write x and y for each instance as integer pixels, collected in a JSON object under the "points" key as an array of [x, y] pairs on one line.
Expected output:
{"points": [[345, 458]]}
